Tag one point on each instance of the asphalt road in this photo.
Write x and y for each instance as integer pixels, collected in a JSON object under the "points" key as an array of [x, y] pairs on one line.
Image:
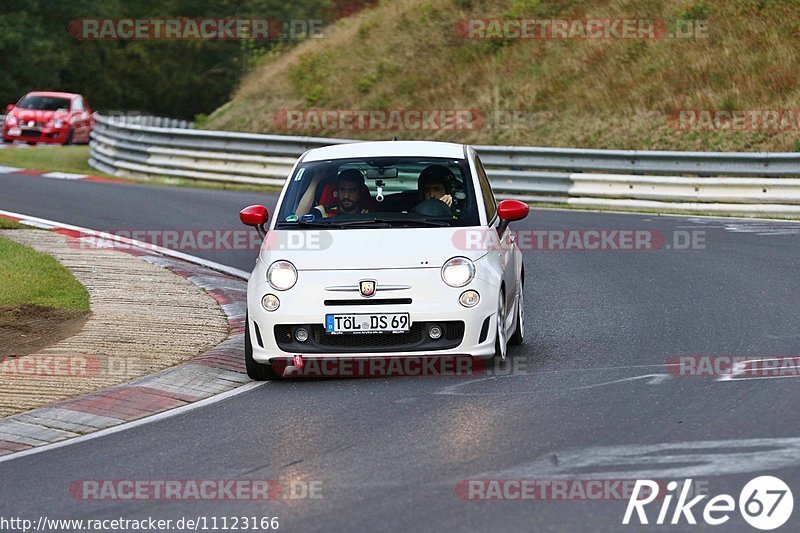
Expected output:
{"points": [[587, 396]]}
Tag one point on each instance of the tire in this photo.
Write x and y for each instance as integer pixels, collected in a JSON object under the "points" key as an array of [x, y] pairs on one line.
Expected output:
{"points": [[501, 342], [255, 370], [518, 337], [70, 134]]}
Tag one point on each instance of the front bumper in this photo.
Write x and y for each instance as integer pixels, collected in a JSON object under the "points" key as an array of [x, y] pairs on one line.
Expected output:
{"points": [[35, 134], [427, 300]]}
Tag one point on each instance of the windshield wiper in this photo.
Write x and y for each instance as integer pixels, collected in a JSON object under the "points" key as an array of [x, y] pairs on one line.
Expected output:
{"points": [[366, 222], [388, 222], [426, 222], [314, 223], [372, 222], [331, 223]]}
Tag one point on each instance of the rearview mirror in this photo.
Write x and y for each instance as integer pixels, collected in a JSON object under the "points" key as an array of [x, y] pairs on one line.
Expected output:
{"points": [[9, 107], [382, 173]]}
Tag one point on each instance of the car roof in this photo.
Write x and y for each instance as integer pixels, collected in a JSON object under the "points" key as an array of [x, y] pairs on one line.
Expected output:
{"points": [[387, 149], [52, 93]]}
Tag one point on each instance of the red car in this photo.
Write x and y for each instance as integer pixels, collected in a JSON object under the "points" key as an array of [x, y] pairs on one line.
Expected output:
{"points": [[48, 117]]}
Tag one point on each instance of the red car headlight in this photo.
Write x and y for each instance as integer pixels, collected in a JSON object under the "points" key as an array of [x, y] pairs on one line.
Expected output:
{"points": [[11, 120], [56, 123]]}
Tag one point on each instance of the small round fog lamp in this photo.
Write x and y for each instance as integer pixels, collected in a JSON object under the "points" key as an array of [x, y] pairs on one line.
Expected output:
{"points": [[270, 302], [469, 298]]}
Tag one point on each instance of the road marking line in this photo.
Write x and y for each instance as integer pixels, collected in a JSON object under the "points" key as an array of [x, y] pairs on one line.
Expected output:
{"points": [[668, 460], [64, 176], [655, 379]]}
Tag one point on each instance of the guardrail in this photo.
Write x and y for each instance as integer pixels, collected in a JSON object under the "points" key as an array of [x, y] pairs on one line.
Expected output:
{"points": [[731, 183], [149, 120]]}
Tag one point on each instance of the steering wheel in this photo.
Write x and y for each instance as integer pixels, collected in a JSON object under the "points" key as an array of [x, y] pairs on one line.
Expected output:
{"points": [[432, 208]]}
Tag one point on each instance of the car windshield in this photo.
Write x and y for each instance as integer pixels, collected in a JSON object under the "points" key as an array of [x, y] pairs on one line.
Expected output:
{"points": [[44, 103], [384, 193]]}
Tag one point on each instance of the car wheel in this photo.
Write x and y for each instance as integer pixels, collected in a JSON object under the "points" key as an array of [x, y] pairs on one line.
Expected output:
{"points": [[30, 143], [501, 338], [519, 333], [70, 134], [255, 370]]}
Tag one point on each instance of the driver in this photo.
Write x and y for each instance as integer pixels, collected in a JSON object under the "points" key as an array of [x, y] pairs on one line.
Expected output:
{"points": [[350, 188], [434, 182]]}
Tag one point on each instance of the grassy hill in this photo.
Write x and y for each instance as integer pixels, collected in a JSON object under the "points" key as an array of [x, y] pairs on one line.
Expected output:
{"points": [[606, 93]]}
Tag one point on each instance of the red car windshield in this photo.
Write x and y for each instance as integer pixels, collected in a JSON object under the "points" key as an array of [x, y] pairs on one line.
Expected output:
{"points": [[44, 103]]}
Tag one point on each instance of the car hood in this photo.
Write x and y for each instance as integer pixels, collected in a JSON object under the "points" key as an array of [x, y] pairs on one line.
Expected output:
{"points": [[38, 115], [355, 249]]}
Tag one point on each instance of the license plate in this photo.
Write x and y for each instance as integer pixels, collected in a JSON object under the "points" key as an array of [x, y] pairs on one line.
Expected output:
{"points": [[367, 323], [14, 132]]}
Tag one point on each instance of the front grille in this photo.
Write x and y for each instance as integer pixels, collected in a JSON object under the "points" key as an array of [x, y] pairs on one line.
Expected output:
{"points": [[416, 339], [31, 133], [380, 301]]}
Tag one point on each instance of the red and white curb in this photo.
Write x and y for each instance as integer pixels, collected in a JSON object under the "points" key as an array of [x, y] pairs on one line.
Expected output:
{"points": [[56, 175], [212, 376]]}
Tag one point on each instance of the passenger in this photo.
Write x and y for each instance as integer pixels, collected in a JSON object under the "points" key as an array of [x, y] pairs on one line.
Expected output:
{"points": [[351, 190]]}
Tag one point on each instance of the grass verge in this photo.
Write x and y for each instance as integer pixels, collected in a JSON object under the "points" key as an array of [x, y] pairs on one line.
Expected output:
{"points": [[31, 277], [51, 159], [9, 224], [569, 92]]}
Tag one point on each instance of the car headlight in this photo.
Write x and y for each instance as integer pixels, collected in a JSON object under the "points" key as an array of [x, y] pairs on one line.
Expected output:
{"points": [[56, 123], [458, 271], [11, 120], [282, 275]]}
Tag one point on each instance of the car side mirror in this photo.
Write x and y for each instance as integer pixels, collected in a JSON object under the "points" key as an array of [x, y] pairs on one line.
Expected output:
{"points": [[9, 107], [511, 210], [255, 216]]}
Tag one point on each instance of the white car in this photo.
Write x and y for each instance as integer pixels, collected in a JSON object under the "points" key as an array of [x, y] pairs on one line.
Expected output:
{"points": [[359, 263]]}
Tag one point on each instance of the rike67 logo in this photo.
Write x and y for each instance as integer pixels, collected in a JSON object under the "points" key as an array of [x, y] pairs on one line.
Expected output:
{"points": [[765, 503]]}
